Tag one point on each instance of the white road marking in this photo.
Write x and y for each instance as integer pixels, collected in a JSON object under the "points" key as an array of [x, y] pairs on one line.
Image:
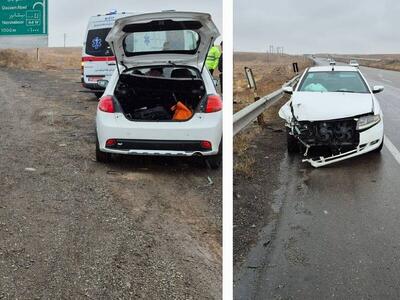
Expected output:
{"points": [[387, 80], [392, 149]]}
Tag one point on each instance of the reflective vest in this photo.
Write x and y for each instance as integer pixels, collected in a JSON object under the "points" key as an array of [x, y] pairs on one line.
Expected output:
{"points": [[213, 57]]}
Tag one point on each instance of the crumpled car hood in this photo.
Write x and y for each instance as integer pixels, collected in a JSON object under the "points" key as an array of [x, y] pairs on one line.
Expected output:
{"points": [[315, 106]]}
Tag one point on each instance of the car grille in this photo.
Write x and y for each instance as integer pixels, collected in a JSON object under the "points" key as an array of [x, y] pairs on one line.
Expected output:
{"points": [[334, 133]]}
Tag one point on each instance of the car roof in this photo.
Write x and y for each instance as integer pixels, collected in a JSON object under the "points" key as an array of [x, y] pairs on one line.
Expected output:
{"points": [[329, 68]]}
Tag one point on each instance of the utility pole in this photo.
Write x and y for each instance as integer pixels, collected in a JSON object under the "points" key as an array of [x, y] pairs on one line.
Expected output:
{"points": [[65, 39]]}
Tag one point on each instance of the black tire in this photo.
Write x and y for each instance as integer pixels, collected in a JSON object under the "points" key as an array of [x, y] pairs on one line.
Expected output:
{"points": [[98, 94], [102, 157], [215, 161], [379, 149], [292, 143]]}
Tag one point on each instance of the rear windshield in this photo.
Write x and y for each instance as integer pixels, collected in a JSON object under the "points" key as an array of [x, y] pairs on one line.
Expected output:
{"points": [[96, 44], [333, 81], [171, 41]]}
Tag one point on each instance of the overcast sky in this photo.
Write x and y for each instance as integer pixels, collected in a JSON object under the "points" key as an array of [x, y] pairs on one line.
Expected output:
{"points": [[315, 26], [71, 16]]}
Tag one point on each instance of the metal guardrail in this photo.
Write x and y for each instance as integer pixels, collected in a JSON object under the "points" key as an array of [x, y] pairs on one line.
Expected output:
{"points": [[247, 115]]}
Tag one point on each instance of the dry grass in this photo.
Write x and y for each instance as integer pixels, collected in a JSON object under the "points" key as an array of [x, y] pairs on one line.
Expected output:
{"points": [[243, 163], [49, 58], [270, 72], [386, 61]]}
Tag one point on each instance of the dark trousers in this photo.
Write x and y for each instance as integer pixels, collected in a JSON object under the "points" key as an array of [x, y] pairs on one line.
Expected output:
{"points": [[220, 81]]}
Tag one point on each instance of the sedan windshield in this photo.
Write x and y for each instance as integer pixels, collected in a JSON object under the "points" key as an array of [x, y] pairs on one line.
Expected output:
{"points": [[333, 81]]}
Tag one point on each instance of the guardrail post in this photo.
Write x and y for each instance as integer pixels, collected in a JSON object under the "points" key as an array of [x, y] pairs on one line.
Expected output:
{"points": [[295, 68], [252, 85], [260, 118]]}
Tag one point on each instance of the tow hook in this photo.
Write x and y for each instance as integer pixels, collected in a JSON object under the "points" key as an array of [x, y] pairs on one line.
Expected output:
{"points": [[306, 152], [294, 128]]}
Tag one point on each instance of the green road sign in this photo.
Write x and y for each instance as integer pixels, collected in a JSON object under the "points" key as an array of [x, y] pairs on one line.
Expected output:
{"points": [[24, 21], [22, 17]]}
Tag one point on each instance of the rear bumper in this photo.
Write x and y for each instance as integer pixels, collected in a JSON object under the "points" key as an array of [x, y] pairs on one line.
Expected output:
{"points": [[370, 140], [92, 86], [187, 146], [160, 138]]}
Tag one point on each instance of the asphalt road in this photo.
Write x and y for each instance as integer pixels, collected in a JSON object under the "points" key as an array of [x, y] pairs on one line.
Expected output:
{"points": [[337, 234]]}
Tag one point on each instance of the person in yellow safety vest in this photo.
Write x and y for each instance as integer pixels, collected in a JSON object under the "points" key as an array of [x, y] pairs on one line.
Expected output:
{"points": [[212, 59]]}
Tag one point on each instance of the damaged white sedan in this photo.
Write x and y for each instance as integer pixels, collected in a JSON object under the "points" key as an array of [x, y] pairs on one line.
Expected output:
{"points": [[334, 109]]}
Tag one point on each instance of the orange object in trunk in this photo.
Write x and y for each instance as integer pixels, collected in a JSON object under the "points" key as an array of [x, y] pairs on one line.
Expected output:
{"points": [[182, 112]]}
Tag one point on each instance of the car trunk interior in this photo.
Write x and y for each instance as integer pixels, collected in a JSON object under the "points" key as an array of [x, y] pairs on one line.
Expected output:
{"points": [[150, 94]]}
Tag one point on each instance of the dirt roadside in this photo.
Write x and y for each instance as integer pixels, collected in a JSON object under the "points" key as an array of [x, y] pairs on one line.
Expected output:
{"points": [[252, 198], [140, 228], [258, 150]]}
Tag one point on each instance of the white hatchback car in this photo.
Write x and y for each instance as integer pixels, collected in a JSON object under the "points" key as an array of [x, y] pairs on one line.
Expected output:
{"points": [[161, 60], [333, 107]]}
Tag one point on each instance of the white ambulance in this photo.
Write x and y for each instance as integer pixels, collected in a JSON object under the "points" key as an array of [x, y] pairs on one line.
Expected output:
{"points": [[98, 61]]}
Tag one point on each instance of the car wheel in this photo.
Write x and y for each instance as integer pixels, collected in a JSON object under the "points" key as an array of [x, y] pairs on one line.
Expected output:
{"points": [[292, 143], [214, 161], [102, 157], [98, 94], [378, 150]]}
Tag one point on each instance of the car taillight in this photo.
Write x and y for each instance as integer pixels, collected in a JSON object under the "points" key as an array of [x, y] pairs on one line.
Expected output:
{"points": [[206, 145], [111, 142], [214, 104], [82, 66], [106, 104]]}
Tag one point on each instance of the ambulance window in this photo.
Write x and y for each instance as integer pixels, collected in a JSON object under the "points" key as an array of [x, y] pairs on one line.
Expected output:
{"points": [[181, 41], [96, 44]]}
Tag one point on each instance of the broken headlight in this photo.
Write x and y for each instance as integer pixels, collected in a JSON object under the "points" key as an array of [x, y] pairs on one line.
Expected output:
{"points": [[366, 122]]}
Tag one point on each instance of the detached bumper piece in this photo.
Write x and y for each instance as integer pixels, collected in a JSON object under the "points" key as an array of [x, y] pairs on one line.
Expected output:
{"points": [[188, 146], [323, 161]]}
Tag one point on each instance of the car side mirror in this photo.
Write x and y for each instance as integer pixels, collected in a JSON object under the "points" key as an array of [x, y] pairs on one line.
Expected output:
{"points": [[377, 89], [288, 90], [102, 83]]}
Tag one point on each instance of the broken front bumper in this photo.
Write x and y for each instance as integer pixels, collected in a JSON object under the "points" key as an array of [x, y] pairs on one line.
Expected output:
{"points": [[370, 140]]}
